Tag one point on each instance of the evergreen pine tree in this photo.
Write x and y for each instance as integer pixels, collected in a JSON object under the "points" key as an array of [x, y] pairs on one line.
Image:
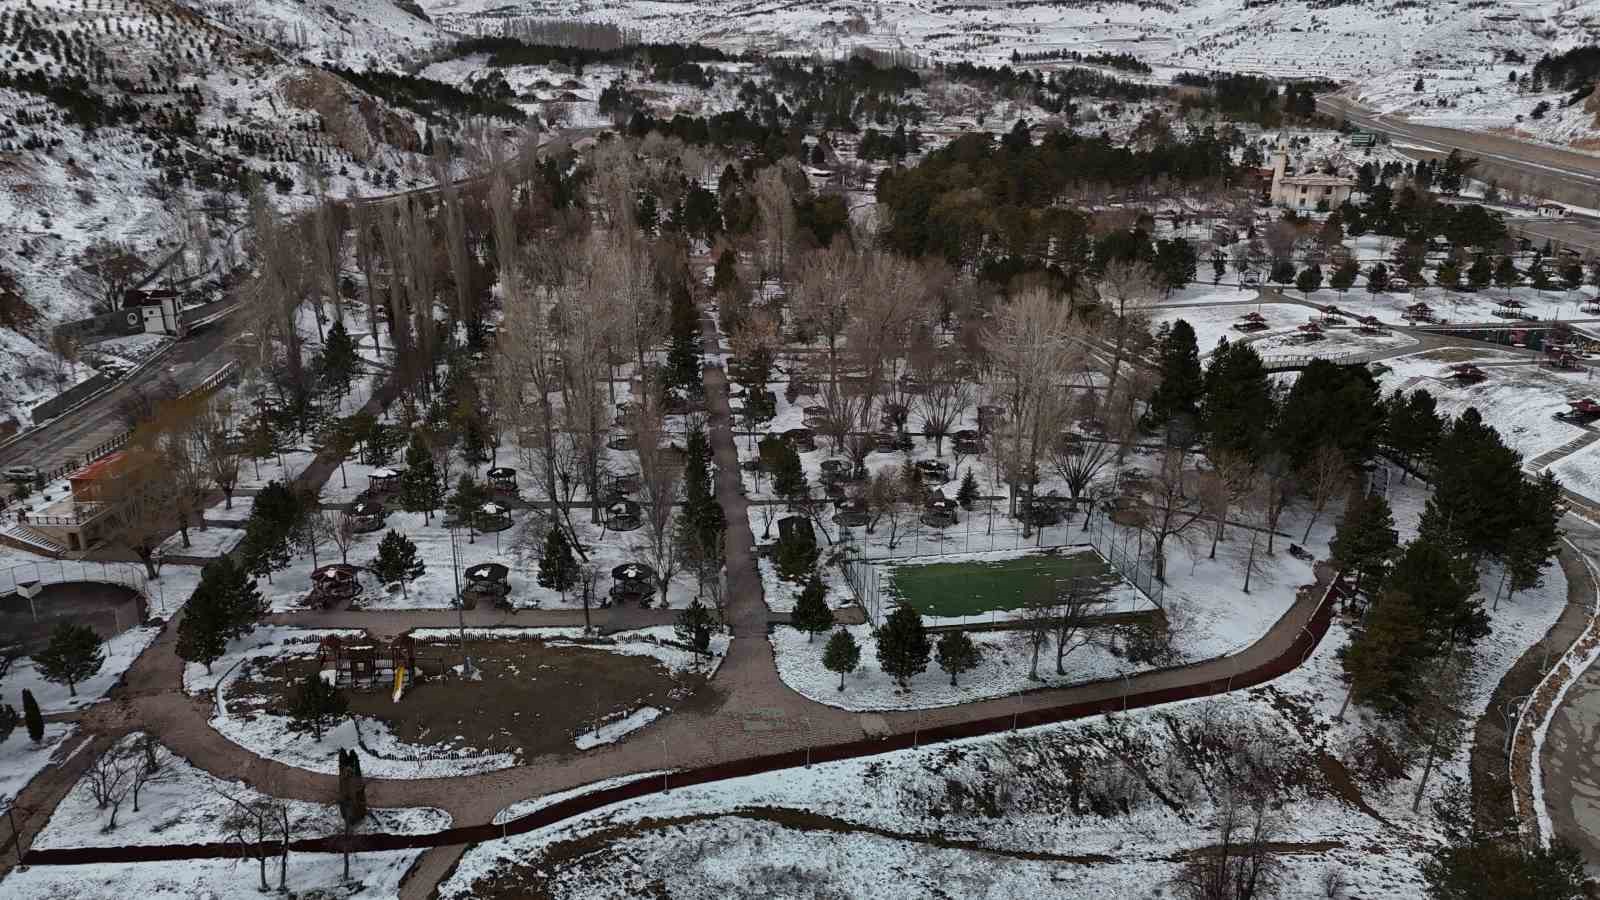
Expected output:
{"points": [[467, 501], [1309, 280], [811, 613], [1533, 543], [8, 721], [842, 654], [1365, 541], [1344, 275], [420, 490], [967, 494], [73, 654], [903, 646], [1442, 588], [1181, 387], [316, 706], [397, 560], [694, 625], [957, 654], [1480, 273], [32, 717], [1237, 408], [1505, 273], [202, 634], [1385, 661], [340, 361], [683, 343], [558, 567]]}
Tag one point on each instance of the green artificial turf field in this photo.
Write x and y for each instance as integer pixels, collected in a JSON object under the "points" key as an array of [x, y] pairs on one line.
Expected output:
{"points": [[972, 588]]}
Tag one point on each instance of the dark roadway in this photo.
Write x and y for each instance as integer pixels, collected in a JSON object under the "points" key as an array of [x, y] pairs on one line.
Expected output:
{"points": [[70, 436]]}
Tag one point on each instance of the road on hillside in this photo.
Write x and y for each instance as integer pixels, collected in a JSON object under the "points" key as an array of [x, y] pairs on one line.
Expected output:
{"points": [[1576, 171], [68, 437]]}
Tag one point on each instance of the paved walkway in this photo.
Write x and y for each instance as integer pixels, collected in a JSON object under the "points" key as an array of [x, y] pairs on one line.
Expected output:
{"points": [[748, 711], [1567, 760]]}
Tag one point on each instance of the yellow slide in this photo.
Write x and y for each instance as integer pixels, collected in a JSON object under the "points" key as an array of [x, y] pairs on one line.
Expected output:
{"points": [[399, 682]]}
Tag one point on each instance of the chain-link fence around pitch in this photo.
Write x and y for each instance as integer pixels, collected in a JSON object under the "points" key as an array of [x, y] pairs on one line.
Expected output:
{"points": [[1122, 548]]}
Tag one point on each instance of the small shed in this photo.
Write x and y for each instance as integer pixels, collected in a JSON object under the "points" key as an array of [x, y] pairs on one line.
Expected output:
{"points": [[933, 470]]}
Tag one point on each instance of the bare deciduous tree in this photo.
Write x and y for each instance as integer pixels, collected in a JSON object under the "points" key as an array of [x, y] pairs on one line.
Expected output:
{"points": [[660, 475], [1128, 285], [1239, 865], [946, 397], [110, 778], [1325, 477], [1171, 513]]}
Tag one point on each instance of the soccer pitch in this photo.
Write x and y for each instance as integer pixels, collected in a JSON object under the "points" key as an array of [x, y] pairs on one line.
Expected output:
{"points": [[972, 587]]}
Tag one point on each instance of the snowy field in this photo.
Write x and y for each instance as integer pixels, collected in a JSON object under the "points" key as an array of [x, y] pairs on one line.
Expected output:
{"points": [[21, 758], [189, 806], [919, 806]]}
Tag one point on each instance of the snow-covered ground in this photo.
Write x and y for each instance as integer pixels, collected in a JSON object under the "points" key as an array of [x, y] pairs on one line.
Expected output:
{"points": [[190, 806], [21, 758], [936, 806], [120, 652]]}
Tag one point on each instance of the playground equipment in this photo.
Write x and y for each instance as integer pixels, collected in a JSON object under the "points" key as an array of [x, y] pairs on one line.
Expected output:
{"points": [[366, 663], [399, 682]]}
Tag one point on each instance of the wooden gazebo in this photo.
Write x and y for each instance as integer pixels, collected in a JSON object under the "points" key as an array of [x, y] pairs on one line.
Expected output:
{"points": [[503, 480], [367, 516], [384, 482], [851, 513], [334, 584], [624, 515], [939, 511], [633, 583], [1251, 321], [486, 581], [492, 517]]}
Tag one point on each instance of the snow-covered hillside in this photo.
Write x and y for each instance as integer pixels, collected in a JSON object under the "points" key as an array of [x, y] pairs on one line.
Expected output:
{"points": [[125, 126], [1459, 47]]}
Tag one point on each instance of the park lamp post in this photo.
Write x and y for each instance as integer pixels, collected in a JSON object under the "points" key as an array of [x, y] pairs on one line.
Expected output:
{"points": [[461, 607]]}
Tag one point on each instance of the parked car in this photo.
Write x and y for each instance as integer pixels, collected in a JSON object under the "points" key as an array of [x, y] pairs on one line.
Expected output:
{"points": [[21, 473]]}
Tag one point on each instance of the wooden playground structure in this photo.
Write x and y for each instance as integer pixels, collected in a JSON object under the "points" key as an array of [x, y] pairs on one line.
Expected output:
{"points": [[369, 664]]}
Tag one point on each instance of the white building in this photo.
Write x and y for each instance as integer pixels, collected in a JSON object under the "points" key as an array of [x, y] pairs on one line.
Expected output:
{"points": [[1307, 192]]}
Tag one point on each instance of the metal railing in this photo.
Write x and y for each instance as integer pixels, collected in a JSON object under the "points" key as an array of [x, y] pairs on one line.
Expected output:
{"points": [[83, 512], [62, 571], [1288, 362]]}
